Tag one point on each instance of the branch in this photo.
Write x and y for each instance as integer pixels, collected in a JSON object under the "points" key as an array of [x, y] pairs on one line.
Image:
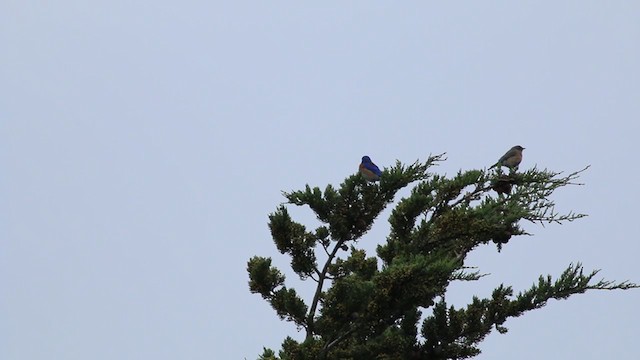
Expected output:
{"points": [[316, 297], [335, 342], [465, 276]]}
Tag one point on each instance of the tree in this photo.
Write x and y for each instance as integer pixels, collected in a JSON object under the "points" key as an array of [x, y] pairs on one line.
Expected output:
{"points": [[370, 307]]}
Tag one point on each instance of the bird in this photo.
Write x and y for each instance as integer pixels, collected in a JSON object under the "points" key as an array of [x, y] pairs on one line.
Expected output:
{"points": [[511, 158], [369, 170]]}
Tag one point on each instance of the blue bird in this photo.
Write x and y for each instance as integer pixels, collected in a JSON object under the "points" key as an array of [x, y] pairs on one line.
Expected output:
{"points": [[369, 170]]}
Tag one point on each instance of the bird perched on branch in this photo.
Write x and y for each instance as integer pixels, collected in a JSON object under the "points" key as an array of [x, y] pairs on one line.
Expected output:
{"points": [[511, 158], [369, 170]]}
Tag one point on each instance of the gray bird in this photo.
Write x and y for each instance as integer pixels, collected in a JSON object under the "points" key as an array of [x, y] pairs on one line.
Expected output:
{"points": [[511, 158]]}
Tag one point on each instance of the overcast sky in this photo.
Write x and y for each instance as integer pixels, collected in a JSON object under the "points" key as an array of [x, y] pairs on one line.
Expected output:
{"points": [[144, 143]]}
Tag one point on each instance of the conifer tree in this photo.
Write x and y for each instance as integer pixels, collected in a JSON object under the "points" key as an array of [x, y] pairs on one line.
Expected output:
{"points": [[371, 307]]}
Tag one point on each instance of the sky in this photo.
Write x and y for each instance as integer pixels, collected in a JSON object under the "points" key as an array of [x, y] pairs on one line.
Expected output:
{"points": [[144, 143]]}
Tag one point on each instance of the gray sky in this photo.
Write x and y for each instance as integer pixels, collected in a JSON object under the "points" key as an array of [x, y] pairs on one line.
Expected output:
{"points": [[145, 143]]}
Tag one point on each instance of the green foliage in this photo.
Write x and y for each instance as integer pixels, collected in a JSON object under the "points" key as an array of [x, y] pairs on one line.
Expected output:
{"points": [[369, 307], [268, 354]]}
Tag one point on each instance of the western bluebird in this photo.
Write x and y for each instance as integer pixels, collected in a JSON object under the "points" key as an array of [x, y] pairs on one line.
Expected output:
{"points": [[511, 158], [369, 170]]}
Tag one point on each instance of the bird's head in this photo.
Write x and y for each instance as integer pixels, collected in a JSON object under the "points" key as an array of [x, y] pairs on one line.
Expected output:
{"points": [[366, 159], [518, 147]]}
